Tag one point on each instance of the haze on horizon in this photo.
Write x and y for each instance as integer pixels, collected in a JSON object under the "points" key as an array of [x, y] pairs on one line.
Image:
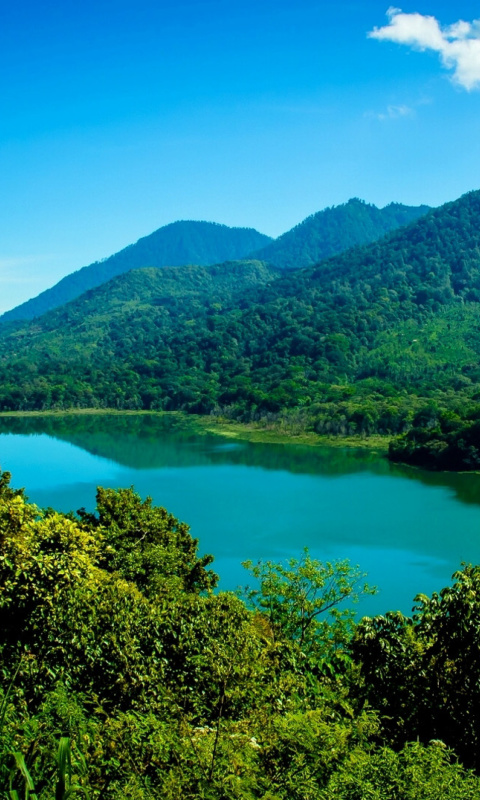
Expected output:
{"points": [[118, 118]]}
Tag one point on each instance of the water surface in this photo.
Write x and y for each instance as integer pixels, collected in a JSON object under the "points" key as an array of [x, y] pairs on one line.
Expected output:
{"points": [[408, 529]]}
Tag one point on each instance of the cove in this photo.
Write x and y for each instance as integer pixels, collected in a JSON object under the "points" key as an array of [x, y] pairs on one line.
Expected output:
{"points": [[408, 529]]}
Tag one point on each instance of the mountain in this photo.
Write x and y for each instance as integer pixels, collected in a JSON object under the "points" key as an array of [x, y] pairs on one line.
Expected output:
{"points": [[381, 338], [334, 230], [203, 243], [177, 244]]}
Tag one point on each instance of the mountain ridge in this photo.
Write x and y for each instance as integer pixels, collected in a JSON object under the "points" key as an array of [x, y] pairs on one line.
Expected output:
{"points": [[179, 243], [319, 236], [336, 229]]}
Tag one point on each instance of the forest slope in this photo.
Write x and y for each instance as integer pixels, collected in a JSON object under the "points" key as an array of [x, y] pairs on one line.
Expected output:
{"points": [[335, 230], [355, 341]]}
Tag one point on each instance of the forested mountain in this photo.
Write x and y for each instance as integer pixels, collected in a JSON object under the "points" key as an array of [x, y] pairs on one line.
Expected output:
{"points": [[203, 243], [98, 321], [180, 243], [354, 343], [336, 229]]}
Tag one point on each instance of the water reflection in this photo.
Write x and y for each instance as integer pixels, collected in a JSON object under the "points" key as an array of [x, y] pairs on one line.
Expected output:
{"points": [[409, 529], [145, 441]]}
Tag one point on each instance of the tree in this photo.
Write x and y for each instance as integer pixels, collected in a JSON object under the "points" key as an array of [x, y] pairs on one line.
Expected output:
{"points": [[147, 545], [301, 599], [423, 673]]}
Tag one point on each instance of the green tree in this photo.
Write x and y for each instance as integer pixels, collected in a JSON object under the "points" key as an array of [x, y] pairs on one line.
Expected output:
{"points": [[304, 600], [147, 545], [423, 673]]}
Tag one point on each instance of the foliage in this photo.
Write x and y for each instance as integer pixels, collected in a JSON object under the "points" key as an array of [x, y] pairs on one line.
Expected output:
{"points": [[122, 675], [62, 784], [423, 672], [301, 599], [413, 773], [147, 545], [450, 443]]}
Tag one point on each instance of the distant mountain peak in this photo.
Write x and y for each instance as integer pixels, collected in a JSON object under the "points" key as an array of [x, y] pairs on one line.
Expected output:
{"points": [[334, 230], [178, 243]]}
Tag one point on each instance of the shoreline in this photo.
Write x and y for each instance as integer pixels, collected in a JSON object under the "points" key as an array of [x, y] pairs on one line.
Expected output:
{"points": [[247, 432], [250, 432]]}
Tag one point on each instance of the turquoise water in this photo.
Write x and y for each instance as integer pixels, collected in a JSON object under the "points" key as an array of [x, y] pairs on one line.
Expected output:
{"points": [[408, 529]]}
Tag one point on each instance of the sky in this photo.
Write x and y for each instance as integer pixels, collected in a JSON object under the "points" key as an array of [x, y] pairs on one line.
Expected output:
{"points": [[119, 117]]}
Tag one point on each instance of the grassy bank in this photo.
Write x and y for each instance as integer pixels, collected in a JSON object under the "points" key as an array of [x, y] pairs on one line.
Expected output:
{"points": [[255, 433]]}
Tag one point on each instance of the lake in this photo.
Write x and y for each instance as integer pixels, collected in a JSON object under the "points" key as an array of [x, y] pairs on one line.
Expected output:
{"points": [[408, 529]]}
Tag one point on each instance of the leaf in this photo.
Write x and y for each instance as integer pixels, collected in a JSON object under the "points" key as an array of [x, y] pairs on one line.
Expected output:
{"points": [[64, 764], [21, 767]]}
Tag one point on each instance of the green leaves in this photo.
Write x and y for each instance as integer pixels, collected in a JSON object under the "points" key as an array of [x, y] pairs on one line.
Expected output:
{"points": [[62, 784], [19, 767], [147, 545], [304, 599], [414, 773], [150, 687], [423, 672]]}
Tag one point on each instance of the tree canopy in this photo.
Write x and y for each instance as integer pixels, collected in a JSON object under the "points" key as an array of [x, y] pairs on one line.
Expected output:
{"points": [[123, 675]]}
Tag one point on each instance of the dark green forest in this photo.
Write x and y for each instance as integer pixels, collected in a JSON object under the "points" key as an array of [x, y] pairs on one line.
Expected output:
{"points": [[384, 339], [124, 675]]}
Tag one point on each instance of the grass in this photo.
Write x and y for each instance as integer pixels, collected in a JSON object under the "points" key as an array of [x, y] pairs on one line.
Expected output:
{"points": [[256, 433]]}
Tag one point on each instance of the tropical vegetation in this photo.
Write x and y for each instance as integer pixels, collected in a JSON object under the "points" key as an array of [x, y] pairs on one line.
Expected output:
{"points": [[125, 675]]}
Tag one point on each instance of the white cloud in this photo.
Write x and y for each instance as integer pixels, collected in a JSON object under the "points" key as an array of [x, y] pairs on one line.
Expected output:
{"points": [[458, 45], [392, 112]]}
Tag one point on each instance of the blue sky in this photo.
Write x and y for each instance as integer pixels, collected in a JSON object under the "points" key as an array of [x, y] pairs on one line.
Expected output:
{"points": [[120, 117]]}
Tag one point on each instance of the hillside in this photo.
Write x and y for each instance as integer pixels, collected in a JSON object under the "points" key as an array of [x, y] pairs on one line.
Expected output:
{"points": [[365, 342], [203, 243], [89, 332], [336, 229], [173, 245], [97, 322]]}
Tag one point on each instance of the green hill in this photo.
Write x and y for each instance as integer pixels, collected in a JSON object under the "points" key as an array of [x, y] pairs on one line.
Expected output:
{"points": [[148, 299], [52, 353], [360, 343], [173, 245], [202, 243], [336, 229]]}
